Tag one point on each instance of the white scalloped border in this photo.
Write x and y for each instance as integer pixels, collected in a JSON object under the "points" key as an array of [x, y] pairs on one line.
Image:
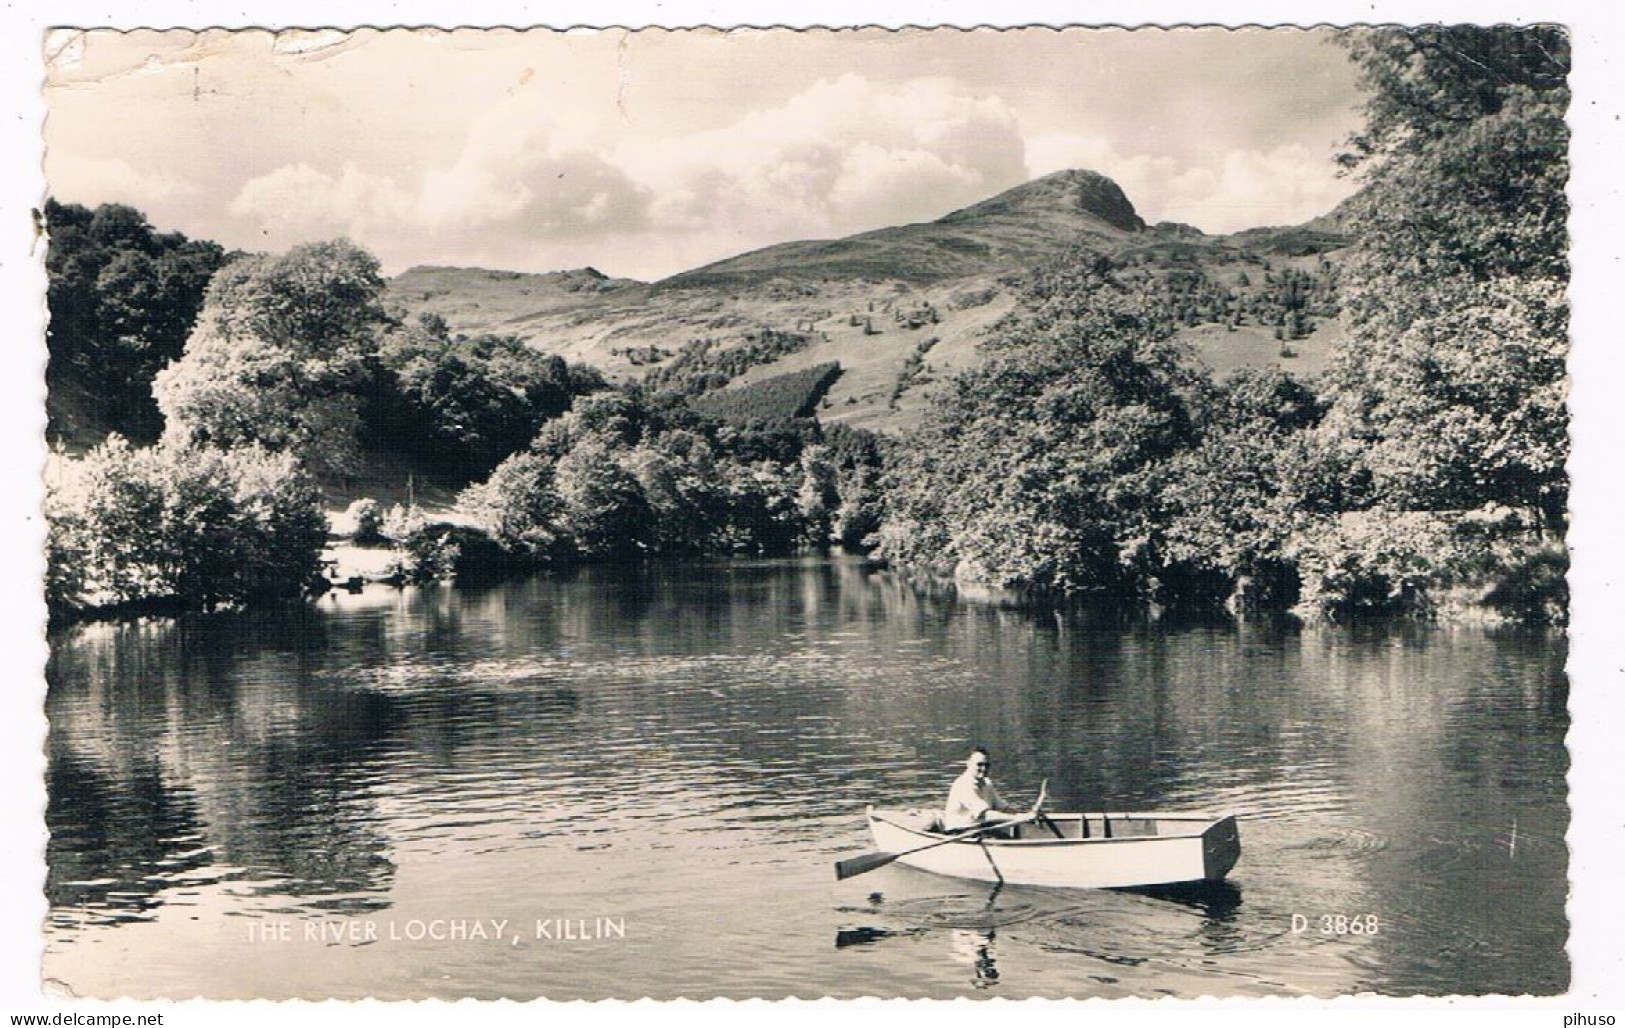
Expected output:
{"points": [[1597, 664]]}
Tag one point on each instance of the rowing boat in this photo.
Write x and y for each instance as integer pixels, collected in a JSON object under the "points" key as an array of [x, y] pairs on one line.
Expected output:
{"points": [[1074, 851]]}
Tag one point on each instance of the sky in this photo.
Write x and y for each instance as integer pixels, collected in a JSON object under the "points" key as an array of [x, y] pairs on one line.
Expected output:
{"points": [[651, 152]]}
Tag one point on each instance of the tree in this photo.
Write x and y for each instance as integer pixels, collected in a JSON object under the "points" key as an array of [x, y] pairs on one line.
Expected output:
{"points": [[122, 299], [1037, 468], [461, 406], [278, 356], [677, 471], [228, 393], [318, 300], [604, 509], [859, 460], [195, 527], [818, 496], [1452, 374], [1229, 506], [521, 507]]}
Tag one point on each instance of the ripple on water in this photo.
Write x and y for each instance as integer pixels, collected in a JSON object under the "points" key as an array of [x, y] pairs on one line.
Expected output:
{"points": [[700, 762]]}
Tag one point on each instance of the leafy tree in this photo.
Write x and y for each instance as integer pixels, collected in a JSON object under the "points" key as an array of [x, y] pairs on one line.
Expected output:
{"points": [[1446, 409], [677, 471], [519, 505], [122, 298], [1229, 506], [604, 508], [278, 356], [1452, 373], [191, 526], [858, 456], [460, 406], [818, 495], [763, 515], [228, 393], [1037, 468], [318, 300]]}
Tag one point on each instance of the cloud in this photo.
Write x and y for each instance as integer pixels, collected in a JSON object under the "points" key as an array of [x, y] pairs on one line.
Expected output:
{"points": [[529, 190], [1241, 189], [299, 202], [113, 180], [842, 156], [503, 191]]}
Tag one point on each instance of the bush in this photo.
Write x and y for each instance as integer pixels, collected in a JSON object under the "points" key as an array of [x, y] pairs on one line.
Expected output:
{"points": [[520, 507], [368, 518], [400, 521], [432, 551], [180, 526], [1385, 562]]}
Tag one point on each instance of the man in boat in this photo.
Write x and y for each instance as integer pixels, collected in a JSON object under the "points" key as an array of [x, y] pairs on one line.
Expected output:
{"points": [[973, 801]]}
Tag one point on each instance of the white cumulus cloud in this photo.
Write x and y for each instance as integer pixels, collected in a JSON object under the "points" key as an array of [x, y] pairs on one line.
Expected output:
{"points": [[113, 180], [843, 155], [1242, 189]]}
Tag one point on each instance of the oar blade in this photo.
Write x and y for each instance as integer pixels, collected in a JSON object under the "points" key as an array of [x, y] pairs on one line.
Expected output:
{"points": [[863, 863]]}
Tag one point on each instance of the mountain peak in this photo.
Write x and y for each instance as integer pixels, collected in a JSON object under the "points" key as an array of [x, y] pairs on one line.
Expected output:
{"points": [[1073, 191]]}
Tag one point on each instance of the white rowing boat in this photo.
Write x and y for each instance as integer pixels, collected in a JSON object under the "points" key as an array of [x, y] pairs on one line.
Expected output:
{"points": [[1072, 851]]}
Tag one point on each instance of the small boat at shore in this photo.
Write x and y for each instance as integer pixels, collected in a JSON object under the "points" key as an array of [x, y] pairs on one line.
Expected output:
{"points": [[1071, 851]]}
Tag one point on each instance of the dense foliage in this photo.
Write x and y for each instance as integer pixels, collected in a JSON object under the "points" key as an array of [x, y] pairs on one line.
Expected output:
{"points": [[278, 356], [1426, 469], [794, 394], [1449, 390], [178, 526], [1038, 467], [456, 407], [122, 300], [1453, 374], [625, 477], [1231, 506]]}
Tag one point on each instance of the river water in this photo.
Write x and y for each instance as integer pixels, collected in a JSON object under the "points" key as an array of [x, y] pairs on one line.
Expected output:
{"points": [[625, 787]]}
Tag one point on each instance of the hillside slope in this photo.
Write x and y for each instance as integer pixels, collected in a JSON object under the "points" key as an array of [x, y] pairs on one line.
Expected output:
{"points": [[898, 308], [1040, 219]]}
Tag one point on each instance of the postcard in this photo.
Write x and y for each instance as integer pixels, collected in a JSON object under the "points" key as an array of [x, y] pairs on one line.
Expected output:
{"points": [[1071, 512]]}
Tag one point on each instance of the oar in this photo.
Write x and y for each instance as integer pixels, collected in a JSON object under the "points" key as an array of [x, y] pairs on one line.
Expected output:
{"points": [[863, 863]]}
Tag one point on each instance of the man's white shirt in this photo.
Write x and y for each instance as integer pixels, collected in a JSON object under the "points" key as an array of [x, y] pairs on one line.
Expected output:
{"points": [[968, 802]]}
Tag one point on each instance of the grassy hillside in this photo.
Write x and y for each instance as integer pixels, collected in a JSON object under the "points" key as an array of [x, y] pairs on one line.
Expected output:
{"points": [[867, 302]]}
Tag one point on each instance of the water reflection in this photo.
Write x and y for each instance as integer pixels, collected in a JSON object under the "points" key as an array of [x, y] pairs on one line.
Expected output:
{"points": [[1216, 901], [673, 745], [974, 946]]}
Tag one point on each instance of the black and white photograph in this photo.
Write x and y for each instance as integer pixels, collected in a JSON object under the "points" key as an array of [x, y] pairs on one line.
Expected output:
{"points": [[1073, 511]]}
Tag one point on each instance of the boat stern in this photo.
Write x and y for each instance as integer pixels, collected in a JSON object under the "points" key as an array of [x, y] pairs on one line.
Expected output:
{"points": [[1221, 848]]}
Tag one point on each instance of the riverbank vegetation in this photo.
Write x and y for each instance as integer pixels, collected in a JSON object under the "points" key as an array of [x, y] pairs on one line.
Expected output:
{"points": [[175, 527], [1085, 453], [1424, 473], [123, 298]]}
